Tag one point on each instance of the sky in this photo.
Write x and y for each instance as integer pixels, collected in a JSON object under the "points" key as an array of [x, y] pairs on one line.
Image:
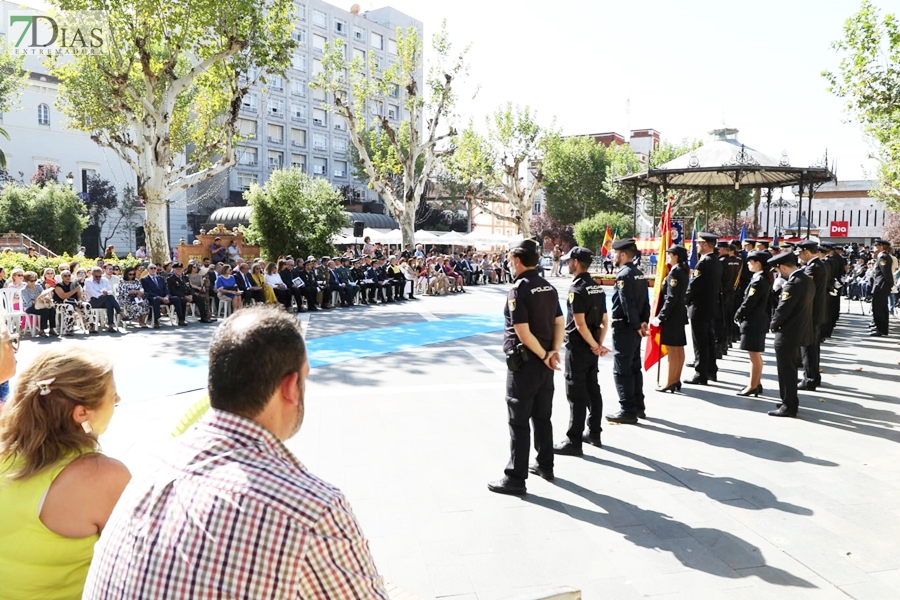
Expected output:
{"points": [[680, 67]]}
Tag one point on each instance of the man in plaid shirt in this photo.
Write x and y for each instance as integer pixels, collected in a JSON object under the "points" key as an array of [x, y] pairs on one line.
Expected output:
{"points": [[228, 511]]}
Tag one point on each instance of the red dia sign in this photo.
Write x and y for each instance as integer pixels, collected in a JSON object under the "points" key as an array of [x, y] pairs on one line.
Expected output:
{"points": [[839, 229]]}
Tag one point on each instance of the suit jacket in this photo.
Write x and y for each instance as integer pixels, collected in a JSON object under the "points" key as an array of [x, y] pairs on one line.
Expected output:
{"points": [[179, 286], [703, 291], [334, 279], [792, 321], [753, 313], [154, 286], [818, 274], [242, 285], [674, 289]]}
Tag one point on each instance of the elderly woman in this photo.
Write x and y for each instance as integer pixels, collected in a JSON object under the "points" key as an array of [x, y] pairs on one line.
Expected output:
{"points": [[227, 289], [130, 294], [58, 490], [30, 301], [48, 280], [70, 307], [16, 279]]}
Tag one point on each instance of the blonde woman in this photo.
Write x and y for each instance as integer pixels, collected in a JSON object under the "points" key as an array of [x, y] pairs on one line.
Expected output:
{"points": [[57, 491]]}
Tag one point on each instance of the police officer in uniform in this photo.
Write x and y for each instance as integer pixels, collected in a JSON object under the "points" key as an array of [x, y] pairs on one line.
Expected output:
{"points": [[792, 324], [838, 269], [882, 282], [586, 326], [815, 269], [731, 272], [532, 337], [703, 301], [630, 318]]}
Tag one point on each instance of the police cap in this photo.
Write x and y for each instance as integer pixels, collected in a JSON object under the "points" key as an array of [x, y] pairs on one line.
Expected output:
{"points": [[679, 251], [785, 258], [353, 261], [723, 244], [579, 253], [808, 245], [759, 256], [528, 245], [625, 244], [709, 238], [763, 243], [881, 242], [309, 261]]}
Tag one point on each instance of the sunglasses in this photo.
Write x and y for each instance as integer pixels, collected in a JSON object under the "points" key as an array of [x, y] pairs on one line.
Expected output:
{"points": [[152, 269], [13, 340]]}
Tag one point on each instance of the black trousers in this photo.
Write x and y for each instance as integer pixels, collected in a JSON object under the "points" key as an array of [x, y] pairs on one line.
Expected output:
{"points": [[627, 369], [174, 301], [810, 357], [529, 396], [880, 311], [787, 360], [834, 311], [284, 297], [47, 316], [704, 347], [582, 392]]}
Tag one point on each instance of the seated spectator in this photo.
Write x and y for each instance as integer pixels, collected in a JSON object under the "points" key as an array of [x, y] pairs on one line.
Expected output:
{"points": [[114, 275], [70, 305], [16, 279], [227, 289], [276, 283], [258, 276], [180, 287], [2, 277], [39, 302], [455, 279], [409, 276], [58, 490], [347, 277], [303, 536], [336, 283], [217, 252], [156, 291], [199, 290], [234, 252], [130, 295], [100, 295], [49, 278], [250, 290]]}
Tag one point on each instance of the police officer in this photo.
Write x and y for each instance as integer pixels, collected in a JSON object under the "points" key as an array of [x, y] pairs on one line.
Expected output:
{"points": [[792, 324], [815, 269], [532, 337], [586, 326], [703, 301], [630, 318], [882, 282], [731, 272], [838, 270]]}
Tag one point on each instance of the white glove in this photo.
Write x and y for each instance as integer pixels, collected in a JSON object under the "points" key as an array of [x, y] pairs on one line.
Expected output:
{"points": [[655, 321]]}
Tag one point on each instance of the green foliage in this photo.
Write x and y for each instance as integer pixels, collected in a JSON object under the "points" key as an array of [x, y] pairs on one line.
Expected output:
{"points": [[52, 214], [589, 232], [10, 260], [575, 170], [12, 80], [294, 214], [622, 161], [869, 83]]}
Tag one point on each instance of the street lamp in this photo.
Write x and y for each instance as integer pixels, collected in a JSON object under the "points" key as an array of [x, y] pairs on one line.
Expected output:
{"points": [[70, 179]]}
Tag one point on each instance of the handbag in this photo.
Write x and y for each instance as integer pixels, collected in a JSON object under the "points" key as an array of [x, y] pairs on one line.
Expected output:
{"points": [[44, 300]]}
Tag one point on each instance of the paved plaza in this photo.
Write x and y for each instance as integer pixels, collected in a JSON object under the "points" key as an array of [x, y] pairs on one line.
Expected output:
{"points": [[707, 498]]}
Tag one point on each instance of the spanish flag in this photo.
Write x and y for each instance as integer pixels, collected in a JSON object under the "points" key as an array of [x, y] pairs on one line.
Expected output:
{"points": [[653, 350], [607, 243]]}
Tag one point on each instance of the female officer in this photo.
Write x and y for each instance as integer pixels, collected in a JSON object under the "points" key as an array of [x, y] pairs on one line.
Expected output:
{"points": [[753, 317], [673, 315]]}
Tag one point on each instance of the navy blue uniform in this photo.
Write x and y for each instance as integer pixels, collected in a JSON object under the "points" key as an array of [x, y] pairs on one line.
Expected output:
{"points": [[582, 388], [630, 308], [792, 326], [817, 272], [882, 281], [704, 302]]}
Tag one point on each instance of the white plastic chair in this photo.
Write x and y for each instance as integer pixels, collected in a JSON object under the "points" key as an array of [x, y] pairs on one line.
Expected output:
{"points": [[15, 317]]}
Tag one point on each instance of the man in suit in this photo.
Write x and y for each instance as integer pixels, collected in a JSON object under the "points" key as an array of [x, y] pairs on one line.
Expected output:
{"points": [[792, 324], [375, 274], [249, 289], [337, 284], [703, 301], [157, 293], [817, 271], [180, 287]]}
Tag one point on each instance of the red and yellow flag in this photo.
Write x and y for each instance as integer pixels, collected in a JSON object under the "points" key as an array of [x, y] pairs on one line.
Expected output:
{"points": [[607, 242], [653, 350]]}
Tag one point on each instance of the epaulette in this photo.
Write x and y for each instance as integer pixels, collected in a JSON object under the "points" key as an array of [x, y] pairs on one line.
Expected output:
{"points": [[518, 281]]}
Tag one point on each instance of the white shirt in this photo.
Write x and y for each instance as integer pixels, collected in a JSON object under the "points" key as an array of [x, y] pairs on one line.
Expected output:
{"points": [[94, 289], [274, 279]]}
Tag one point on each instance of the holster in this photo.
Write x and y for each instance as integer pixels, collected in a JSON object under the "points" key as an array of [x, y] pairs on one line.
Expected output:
{"points": [[516, 357]]}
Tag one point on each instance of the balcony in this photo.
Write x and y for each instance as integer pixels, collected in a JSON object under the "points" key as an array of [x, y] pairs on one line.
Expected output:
{"points": [[248, 108], [275, 140], [319, 122], [300, 166], [297, 144], [339, 174], [275, 164], [298, 118], [247, 163]]}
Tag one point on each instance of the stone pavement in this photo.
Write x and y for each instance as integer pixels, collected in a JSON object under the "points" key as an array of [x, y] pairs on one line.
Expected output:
{"points": [[708, 498]]}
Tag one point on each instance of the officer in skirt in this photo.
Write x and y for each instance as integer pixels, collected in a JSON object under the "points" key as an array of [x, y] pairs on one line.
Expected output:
{"points": [[586, 326], [532, 336]]}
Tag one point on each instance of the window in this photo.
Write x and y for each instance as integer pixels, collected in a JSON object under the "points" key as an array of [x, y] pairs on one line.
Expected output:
{"points": [[317, 67], [298, 87], [245, 180], [359, 34], [392, 47], [340, 145], [276, 107], [276, 133], [276, 82], [318, 95], [320, 141], [360, 54], [377, 41], [395, 91], [298, 161], [340, 26], [298, 112], [298, 138], [375, 62], [375, 108], [246, 156], [43, 114], [319, 117], [86, 174], [299, 36], [340, 168], [339, 123], [276, 160], [249, 103], [393, 111], [318, 42], [298, 61], [320, 166], [249, 76], [319, 19], [247, 128], [300, 11]]}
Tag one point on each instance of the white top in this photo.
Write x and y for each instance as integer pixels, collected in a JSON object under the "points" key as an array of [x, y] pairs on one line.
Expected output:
{"points": [[274, 279], [94, 289]]}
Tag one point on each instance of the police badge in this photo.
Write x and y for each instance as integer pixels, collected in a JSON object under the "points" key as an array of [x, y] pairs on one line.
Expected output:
{"points": [[695, 273], [785, 296], [673, 282], [512, 305], [571, 297], [620, 284], [752, 291]]}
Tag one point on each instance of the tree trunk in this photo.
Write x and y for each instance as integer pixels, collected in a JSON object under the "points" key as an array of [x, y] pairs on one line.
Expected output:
{"points": [[525, 221], [756, 198], [407, 220], [156, 226]]}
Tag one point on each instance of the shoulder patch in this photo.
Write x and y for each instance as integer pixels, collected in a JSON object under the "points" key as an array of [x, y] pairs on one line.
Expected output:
{"points": [[673, 282], [695, 273], [620, 284], [883, 262], [752, 291], [512, 305], [518, 282], [785, 296], [571, 297]]}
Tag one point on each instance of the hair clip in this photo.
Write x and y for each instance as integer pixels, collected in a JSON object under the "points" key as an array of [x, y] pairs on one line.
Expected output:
{"points": [[45, 385]]}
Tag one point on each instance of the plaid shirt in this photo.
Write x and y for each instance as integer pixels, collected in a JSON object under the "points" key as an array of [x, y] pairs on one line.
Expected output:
{"points": [[229, 512]]}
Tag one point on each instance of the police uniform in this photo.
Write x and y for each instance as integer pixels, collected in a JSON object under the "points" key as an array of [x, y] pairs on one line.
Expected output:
{"points": [[529, 388], [704, 302], [838, 268], [630, 311], [882, 281], [731, 272], [585, 297], [673, 314], [792, 324], [817, 272], [752, 315]]}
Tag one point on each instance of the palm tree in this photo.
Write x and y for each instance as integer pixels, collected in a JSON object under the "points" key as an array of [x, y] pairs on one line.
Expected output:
{"points": [[2, 155]]}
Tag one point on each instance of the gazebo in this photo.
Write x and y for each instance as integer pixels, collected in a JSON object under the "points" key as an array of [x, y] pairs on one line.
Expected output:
{"points": [[725, 163]]}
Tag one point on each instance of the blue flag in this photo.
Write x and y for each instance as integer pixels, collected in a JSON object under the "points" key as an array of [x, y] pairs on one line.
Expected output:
{"points": [[692, 260], [743, 232]]}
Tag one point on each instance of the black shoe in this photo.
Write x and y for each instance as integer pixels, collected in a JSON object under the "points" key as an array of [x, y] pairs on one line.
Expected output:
{"points": [[542, 472], [507, 486], [593, 439], [697, 380], [675, 387], [714, 377], [806, 384], [567, 448], [623, 418], [782, 411], [877, 334], [751, 392], [641, 415]]}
